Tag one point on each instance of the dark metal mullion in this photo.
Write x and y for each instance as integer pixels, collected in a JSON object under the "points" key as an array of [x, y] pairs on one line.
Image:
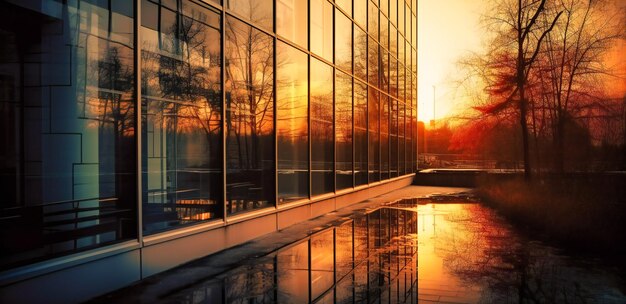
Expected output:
{"points": [[138, 126], [275, 118], [223, 123], [308, 83], [334, 102], [367, 92]]}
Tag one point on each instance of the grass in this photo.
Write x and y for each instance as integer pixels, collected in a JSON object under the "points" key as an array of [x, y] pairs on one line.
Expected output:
{"points": [[587, 213]]}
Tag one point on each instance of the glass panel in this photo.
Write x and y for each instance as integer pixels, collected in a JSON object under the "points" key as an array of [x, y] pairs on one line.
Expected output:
{"points": [[384, 70], [373, 62], [393, 77], [407, 20], [345, 5], [360, 12], [401, 51], [322, 179], [67, 119], [292, 123], [373, 107], [372, 26], [343, 125], [393, 139], [322, 28], [360, 133], [322, 263], [401, 16], [384, 31], [393, 41], [259, 12], [291, 20], [292, 278], [384, 6], [393, 11], [414, 30], [249, 87], [360, 53], [384, 136], [181, 119], [343, 42]]}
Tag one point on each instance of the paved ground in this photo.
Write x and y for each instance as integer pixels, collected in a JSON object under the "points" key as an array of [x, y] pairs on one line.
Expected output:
{"points": [[153, 288]]}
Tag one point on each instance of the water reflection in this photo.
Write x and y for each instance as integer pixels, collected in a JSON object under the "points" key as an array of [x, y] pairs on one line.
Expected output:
{"points": [[468, 254], [371, 258]]}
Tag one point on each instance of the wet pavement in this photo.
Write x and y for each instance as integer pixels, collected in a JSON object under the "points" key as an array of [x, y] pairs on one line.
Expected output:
{"points": [[469, 254], [390, 249]]}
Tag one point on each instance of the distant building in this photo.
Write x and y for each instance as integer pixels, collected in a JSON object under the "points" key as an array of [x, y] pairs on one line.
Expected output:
{"points": [[139, 135]]}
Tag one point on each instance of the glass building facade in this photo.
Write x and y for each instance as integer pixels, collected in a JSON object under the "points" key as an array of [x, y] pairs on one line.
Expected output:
{"points": [[121, 119]]}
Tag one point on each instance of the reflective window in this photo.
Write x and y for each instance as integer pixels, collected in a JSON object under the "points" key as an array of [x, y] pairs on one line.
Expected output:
{"points": [[182, 118], [373, 108], [414, 30], [401, 16], [393, 41], [373, 62], [393, 77], [259, 12], [360, 133], [67, 125], [249, 105], [360, 53], [384, 31], [407, 19], [393, 139], [343, 42], [393, 11], [345, 5], [343, 130], [360, 12], [384, 136], [321, 100], [384, 6], [401, 49], [291, 20], [372, 24], [322, 28], [292, 123], [384, 70]]}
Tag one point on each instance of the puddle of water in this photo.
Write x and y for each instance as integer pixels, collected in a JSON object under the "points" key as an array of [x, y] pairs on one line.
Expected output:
{"points": [[468, 254], [371, 258]]}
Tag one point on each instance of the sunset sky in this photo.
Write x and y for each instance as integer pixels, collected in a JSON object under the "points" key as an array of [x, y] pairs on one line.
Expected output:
{"points": [[449, 29]]}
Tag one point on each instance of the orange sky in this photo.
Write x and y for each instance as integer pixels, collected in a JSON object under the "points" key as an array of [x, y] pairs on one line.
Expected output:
{"points": [[449, 29]]}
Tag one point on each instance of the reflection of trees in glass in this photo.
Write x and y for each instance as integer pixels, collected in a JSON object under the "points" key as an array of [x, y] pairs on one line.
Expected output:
{"points": [[249, 85], [321, 112], [181, 71], [259, 12], [343, 130], [249, 89], [185, 67]]}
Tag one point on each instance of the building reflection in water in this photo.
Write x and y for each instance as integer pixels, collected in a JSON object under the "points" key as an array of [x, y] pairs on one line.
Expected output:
{"points": [[370, 258]]}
